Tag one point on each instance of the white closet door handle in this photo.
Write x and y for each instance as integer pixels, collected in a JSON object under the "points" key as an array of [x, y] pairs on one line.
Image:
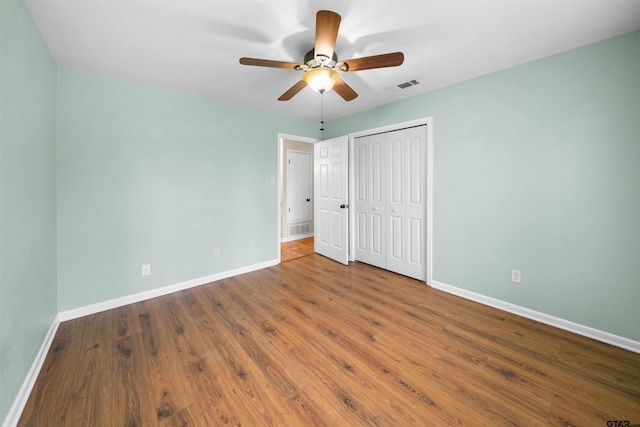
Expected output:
{"points": [[374, 209], [394, 210]]}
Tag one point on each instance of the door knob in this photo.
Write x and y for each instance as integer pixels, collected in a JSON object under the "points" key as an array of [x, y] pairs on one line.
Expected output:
{"points": [[308, 200], [344, 206]]}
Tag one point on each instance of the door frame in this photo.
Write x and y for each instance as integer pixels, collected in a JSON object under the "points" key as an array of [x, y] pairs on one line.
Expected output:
{"points": [[428, 121], [281, 138]]}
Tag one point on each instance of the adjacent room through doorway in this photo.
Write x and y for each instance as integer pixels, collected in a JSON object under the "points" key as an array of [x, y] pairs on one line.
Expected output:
{"points": [[296, 249]]}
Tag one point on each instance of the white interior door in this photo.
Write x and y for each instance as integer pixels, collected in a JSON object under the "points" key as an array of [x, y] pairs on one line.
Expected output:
{"points": [[331, 214], [298, 186], [369, 199], [396, 224], [415, 202], [361, 209], [406, 202]]}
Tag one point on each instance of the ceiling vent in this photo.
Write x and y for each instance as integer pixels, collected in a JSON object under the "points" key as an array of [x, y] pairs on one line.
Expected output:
{"points": [[405, 85]]}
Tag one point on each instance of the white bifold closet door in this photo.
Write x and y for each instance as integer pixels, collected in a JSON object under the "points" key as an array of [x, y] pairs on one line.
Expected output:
{"points": [[390, 200]]}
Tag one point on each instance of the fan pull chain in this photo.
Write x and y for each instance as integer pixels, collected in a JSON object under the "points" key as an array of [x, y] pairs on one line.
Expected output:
{"points": [[321, 111]]}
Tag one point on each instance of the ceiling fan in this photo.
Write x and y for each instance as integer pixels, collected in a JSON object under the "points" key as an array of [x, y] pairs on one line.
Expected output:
{"points": [[321, 66]]}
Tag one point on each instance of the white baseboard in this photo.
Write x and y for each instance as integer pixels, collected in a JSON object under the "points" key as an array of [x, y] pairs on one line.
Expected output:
{"points": [[596, 334], [130, 299], [296, 237], [19, 403]]}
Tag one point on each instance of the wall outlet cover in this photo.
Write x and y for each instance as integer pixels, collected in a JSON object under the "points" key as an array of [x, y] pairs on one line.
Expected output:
{"points": [[516, 276]]}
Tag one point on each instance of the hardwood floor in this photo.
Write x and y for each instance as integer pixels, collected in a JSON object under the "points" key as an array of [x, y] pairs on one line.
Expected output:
{"points": [[296, 249], [313, 343]]}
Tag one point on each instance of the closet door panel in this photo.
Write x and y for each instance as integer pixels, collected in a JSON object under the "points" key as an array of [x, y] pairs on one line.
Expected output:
{"points": [[414, 266], [396, 247], [415, 168], [395, 161], [395, 206], [377, 252], [415, 203], [377, 151], [361, 198], [360, 151], [362, 245]]}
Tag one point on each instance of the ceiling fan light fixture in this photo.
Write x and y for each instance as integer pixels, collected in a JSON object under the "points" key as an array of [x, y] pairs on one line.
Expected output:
{"points": [[321, 79], [321, 69]]}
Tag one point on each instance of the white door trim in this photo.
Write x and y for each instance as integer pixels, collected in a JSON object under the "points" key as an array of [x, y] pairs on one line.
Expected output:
{"points": [[281, 138], [428, 121]]}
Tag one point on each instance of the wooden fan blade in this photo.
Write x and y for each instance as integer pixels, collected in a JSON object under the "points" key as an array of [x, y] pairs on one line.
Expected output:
{"points": [[293, 91], [327, 25], [268, 63], [376, 61], [344, 90]]}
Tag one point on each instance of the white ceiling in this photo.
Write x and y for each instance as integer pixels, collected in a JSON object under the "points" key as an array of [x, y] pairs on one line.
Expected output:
{"points": [[194, 46]]}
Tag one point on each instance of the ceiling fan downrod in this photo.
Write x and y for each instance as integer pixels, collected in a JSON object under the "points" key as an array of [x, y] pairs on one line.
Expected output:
{"points": [[321, 111]]}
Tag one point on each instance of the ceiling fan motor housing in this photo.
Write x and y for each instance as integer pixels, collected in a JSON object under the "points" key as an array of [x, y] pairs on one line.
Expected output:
{"points": [[312, 62]]}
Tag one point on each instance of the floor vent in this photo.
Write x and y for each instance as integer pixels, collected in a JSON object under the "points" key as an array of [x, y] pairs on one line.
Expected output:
{"points": [[294, 230]]}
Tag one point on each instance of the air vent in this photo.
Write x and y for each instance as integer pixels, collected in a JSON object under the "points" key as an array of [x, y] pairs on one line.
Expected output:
{"points": [[295, 230], [408, 84], [404, 85]]}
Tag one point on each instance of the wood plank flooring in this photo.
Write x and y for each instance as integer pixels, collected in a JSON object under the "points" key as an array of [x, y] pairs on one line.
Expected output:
{"points": [[296, 249], [313, 343]]}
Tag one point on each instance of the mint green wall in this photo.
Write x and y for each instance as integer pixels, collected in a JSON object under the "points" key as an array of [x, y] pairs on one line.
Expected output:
{"points": [[27, 196], [151, 176], [537, 168]]}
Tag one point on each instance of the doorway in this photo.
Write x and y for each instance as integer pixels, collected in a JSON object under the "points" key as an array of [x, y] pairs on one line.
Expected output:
{"points": [[295, 186]]}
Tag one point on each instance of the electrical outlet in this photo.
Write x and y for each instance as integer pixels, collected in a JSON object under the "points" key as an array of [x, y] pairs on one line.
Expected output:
{"points": [[146, 269], [516, 276], [216, 252]]}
